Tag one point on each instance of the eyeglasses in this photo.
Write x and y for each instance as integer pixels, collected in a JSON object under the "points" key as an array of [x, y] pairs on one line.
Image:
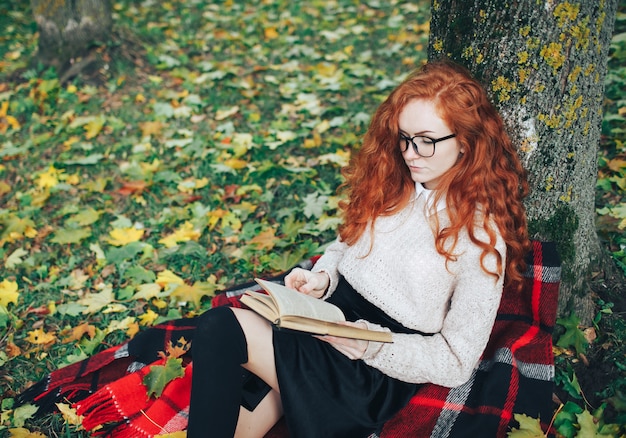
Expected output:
{"points": [[422, 145]]}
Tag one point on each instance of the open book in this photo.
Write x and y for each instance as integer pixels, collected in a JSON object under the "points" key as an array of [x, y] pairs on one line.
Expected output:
{"points": [[290, 309]]}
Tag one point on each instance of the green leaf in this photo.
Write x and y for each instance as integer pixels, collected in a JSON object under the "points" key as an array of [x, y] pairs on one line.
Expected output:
{"points": [[126, 252], [573, 336], [66, 236], [529, 427], [589, 426], [84, 217], [23, 413], [160, 375]]}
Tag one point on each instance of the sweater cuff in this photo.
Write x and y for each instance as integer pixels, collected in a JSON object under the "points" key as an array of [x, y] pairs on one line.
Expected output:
{"points": [[373, 347]]}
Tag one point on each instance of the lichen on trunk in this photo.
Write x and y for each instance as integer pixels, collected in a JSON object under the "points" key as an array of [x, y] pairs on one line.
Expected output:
{"points": [[543, 64]]}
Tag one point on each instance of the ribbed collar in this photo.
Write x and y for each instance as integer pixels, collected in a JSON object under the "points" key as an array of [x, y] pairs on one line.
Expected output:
{"points": [[429, 196]]}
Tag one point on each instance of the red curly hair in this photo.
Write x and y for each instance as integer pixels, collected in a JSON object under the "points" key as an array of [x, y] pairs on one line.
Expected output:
{"points": [[488, 182]]}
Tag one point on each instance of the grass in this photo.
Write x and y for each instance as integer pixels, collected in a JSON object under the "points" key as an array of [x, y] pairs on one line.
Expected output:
{"points": [[206, 149]]}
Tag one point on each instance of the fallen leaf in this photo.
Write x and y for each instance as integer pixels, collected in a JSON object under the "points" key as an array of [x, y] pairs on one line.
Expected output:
{"points": [[124, 236], [8, 293], [40, 337]]}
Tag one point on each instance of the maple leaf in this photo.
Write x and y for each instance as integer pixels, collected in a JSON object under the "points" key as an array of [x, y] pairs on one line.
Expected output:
{"points": [[40, 337], [96, 301], [49, 178], [314, 204], [573, 336], [124, 236], [265, 240], [185, 233], [8, 293], [85, 217], [529, 428], [148, 317], [69, 414], [191, 184], [160, 375], [132, 187], [589, 427], [167, 278], [224, 113], [79, 331], [151, 128], [186, 293], [23, 413], [15, 258], [20, 432], [182, 346], [147, 291], [124, 324], [65, 236]]}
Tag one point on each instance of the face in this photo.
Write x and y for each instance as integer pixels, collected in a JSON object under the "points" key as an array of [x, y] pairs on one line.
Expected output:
{"points": [[419, 118]]}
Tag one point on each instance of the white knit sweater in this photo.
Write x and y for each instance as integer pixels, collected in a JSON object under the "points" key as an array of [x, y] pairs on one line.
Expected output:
{"points": [[405, 277]]}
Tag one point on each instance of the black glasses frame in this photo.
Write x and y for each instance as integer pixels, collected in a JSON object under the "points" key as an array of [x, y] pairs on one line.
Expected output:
{"points": [[434, 141]]}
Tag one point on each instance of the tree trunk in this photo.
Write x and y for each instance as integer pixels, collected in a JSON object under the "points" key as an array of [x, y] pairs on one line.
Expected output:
{"points": [[544, 63], [69, 28]]}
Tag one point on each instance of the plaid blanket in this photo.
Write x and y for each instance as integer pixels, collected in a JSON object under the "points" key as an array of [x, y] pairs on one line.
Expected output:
{"points": [[515, 375]]}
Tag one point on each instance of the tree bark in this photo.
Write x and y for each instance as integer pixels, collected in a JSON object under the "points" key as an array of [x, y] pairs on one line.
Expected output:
{"points": [[544, 63], [69, 28]]}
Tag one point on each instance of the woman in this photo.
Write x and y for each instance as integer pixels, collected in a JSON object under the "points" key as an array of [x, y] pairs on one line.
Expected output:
{"points": [[433, 226]]}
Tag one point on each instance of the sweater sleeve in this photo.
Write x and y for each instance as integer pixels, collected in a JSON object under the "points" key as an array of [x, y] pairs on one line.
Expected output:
{"points": [[329, 263], [449, 356]]}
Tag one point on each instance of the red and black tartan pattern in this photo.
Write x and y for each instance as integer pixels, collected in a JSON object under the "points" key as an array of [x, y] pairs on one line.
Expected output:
{"points": [[515, 375]]}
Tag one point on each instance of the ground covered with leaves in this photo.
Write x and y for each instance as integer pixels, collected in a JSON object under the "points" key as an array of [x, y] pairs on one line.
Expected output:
{"points": [[204, 148]]}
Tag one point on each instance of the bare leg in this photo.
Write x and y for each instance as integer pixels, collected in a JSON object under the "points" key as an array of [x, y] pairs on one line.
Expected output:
{"points": [[258, 333], [255, 424]]}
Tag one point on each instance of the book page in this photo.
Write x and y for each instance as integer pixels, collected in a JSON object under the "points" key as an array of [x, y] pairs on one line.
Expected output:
{"points": [[292, 302]]}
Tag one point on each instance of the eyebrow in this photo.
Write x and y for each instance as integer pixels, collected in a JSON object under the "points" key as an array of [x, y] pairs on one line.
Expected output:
{"points": [[402, 131]]}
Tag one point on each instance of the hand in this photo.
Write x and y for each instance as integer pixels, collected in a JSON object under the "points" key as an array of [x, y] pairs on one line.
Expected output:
{"points": [[353, 348], [307, 282]]}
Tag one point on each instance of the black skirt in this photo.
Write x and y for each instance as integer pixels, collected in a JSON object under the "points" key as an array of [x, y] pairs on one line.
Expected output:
{"points": [[326, 394]]}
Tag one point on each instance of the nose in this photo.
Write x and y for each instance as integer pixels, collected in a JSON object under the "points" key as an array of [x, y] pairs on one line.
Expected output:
{"points": [[410, 153]]}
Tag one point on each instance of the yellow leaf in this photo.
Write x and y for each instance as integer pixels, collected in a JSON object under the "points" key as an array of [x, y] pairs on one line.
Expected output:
{"points": [[179, 434], [94, 127], [132, 330], [186, 293], [69, 414], [215, 216], [39, 337], [20, 432], [8, 293], [148, 317], [49, 178], [124, 236], [184, 234], [79, 331], [224, 113], [191, 184], [167, 278], [123, 324], [616, 164], [236, 164], [96, 301], [13, 122], [147, 291], [150, 128], [271, 33], [266, 239]]}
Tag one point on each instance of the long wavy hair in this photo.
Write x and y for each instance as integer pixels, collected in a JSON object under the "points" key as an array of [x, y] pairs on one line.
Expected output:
{"points": [[486, 186]]}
